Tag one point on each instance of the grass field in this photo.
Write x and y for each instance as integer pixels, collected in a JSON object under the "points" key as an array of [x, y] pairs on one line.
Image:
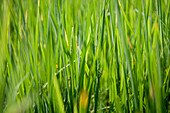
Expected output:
{"points": [[84, 56]]}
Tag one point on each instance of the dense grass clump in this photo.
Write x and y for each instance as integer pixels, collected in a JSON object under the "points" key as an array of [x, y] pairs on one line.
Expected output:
{"points": [[82, 56]]}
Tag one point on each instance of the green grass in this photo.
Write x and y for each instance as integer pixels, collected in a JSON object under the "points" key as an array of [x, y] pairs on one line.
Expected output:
{"points": [[84, 56]]}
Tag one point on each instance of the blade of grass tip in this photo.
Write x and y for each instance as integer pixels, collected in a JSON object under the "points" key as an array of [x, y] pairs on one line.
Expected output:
{"points": [[59, 97], [159, 100]]}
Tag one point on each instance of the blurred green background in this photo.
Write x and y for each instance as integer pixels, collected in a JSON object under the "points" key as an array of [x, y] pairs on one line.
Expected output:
{"points": [[84, 56]]}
